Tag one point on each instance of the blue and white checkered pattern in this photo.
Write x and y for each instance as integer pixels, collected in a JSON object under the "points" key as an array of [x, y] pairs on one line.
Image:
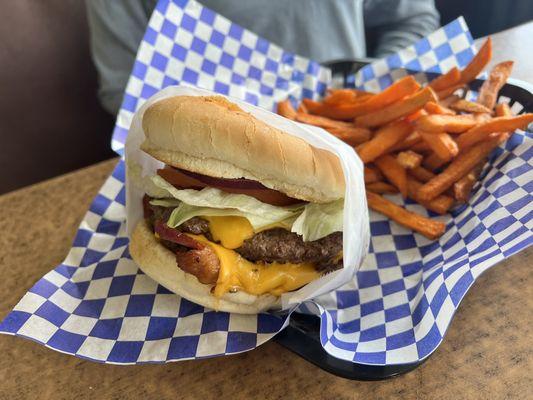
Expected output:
{"points": [[188, 43], [409, 287], [98, 305], [450, 46]]}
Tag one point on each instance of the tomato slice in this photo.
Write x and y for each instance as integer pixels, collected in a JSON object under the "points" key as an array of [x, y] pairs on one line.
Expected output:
{"points": [[268, 196], [240, 183], [190, 180], [178, 179]]}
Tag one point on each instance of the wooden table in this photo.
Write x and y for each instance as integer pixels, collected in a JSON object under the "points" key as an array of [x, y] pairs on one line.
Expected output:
{"points": [[487, 352]]}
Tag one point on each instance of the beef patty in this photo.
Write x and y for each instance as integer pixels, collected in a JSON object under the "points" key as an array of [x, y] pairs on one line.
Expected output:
{"points": [[273, 245], [282, 246]]}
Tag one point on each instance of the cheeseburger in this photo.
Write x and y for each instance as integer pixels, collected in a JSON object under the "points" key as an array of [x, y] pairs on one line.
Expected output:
{"points": [[241, 212]]}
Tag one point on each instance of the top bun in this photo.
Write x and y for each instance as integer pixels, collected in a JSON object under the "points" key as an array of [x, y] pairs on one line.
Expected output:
{"points": [[214, 137]]}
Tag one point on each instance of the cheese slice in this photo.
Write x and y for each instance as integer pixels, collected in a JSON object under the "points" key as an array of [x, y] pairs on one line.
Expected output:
{"points": [[230, 231], [237, 273]]}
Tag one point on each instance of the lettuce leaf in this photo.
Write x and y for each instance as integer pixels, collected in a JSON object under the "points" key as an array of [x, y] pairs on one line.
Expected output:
{"points": [[214, 202], [169, 203], [312, 221], [319, 220], [184, 212]]}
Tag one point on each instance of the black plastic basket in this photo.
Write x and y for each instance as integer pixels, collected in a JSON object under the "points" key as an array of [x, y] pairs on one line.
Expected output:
{"points": [[302, 336]]}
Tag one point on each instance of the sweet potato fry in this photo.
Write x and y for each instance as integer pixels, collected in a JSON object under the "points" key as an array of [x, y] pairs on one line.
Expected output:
{"points": [[435, 108], [384, 139], [322, 122], [446, 123], [337, 112], [286, 109], [433, 162], [421, 174], [351, 135], [503, 110], [381, 188], [463, 187], [413, 138], [458, 168], [409, 159], [343, 130], [414, 116], [361, 92], [444, 93], [358, 148], [490, 88], [425, 226], [440, 204], [426, 143], [356, 92], [442, 144], [362, 95], [469, 107], [311, 105], [446, 80], [372, 175], [340, 96], [421, 147], [397, 110], [302, 108], [393, 171], [476, 65], [399, 89], [448, 100], [498, 124]]}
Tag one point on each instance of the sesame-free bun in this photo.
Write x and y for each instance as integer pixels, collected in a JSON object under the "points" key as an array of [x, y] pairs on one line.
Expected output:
{"points": [[214, 137], [159, 263]]}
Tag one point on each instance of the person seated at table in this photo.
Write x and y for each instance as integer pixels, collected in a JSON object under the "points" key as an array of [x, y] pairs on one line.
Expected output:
{"points": [[323, 30]]}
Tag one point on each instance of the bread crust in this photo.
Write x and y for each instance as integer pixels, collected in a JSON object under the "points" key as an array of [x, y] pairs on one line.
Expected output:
{"points": [[159, 263], [212, 136]]}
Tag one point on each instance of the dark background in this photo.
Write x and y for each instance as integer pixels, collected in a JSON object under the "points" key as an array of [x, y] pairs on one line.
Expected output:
{"points": [[50, 119]]}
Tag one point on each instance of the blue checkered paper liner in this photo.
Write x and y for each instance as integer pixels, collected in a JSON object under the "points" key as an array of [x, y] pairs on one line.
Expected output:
{"points": [[98, 305], [186, 42], [450, 46]]}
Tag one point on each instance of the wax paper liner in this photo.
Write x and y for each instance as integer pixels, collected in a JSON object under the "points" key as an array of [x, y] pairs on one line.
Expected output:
{"points": [[355, 239], [98, 306]]}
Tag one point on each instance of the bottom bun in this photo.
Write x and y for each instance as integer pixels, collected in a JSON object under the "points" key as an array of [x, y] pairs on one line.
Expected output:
{"points": [[159, 263]]}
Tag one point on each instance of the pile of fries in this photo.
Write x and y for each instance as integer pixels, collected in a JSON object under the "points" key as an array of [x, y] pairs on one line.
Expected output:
{"points": [[426, 143]]}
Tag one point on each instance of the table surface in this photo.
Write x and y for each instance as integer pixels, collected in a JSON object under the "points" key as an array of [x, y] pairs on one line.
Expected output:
{"points": [[487, 352], [514, 44]]}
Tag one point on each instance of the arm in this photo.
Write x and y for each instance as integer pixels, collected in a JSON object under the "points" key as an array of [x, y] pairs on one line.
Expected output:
{"points": [[394, 24], [116, 29]]}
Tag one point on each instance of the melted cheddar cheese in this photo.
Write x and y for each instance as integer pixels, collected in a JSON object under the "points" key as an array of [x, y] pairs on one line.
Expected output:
{"points": [[237, 273], [230, 231]]}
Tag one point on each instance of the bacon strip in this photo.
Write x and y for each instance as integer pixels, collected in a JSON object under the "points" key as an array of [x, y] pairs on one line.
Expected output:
{"points": [[172, 235], [203, 263]]}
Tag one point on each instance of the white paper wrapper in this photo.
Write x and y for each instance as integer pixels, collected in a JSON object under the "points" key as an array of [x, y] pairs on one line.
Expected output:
{"points": [[356, 234]]}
